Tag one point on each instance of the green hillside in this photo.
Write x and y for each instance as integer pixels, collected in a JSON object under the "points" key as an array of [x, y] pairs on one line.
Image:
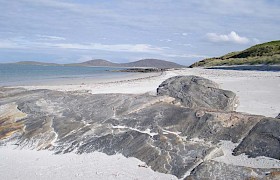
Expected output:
{"points": [[266, 53]]}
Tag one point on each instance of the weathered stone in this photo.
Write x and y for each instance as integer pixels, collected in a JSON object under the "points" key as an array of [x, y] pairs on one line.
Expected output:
{"points": [[169, 138], [147, 127], [9, 114], [220, 171], [263, 140], [198, 92]]}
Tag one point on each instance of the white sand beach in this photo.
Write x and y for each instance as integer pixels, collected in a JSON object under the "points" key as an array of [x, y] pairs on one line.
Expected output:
{"points": [[139, 90], [31, 164], [258, 93]]}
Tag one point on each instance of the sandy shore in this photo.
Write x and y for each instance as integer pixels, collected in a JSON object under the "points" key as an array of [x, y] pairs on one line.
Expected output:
{"points": [[30, 164], [258, 91]]}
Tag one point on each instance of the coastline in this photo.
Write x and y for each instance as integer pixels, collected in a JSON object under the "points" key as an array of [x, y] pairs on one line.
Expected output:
{"points": [[257, 90]]}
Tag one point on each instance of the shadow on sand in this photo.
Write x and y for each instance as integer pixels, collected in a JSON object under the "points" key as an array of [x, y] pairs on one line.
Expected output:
{"points": [[249, 68]]}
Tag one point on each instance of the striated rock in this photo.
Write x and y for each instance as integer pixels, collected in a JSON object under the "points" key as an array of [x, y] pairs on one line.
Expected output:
{"points": [[220, 171], [147, 127], [263, 140], [169, 138], [198, 92], [9, 114]]}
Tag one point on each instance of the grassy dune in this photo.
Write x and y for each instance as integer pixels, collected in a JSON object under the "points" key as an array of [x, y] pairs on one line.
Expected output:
{"points": [[266, 53]]}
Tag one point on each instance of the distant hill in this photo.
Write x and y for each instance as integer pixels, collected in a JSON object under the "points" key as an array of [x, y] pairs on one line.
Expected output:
{"points": [[37, 63], [156, 63], [95, 62], [266, 53], [152, 63]]}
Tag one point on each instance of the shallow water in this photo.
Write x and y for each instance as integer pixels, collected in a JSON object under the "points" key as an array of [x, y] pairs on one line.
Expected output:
{"points": [[16, 74]]}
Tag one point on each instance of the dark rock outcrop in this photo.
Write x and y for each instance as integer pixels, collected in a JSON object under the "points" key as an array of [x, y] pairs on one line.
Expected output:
{"points": [[263, 140], [198, 92], [141, 70], [169, 138], [221, 171]]}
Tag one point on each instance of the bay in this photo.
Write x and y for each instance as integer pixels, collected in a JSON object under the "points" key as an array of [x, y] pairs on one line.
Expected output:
{"points": [[17, 74]]}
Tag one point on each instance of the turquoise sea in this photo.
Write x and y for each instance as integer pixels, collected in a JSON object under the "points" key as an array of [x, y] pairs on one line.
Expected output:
{"points": [[16, 74]]}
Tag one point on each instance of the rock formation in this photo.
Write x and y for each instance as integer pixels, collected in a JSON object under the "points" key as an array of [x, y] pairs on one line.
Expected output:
{"points": [[221, 171], [198, 92], [262, 140], [168, 137]]}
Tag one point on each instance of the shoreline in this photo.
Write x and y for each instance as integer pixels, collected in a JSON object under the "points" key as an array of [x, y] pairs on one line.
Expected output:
{"points": [[257, 90]]}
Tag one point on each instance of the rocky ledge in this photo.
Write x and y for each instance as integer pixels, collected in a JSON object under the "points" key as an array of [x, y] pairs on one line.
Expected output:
{"points": [[186, 134], [141, 70]]}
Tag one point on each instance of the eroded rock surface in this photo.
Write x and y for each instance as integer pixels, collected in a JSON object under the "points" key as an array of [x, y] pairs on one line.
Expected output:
{"points": [[263, 140], [8, 120], [198, 92], [222, 171], [168, 137]]}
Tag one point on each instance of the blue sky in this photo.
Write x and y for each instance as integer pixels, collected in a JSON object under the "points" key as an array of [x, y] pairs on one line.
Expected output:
{"points": [[181, 31]]}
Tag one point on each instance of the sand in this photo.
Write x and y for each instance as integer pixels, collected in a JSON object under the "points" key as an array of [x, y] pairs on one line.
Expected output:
{"points": [[243, 160], [258, 93], [30, 164]]}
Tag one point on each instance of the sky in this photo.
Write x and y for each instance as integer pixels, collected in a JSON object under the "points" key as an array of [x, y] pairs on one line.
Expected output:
{"points": [[181, 31]]}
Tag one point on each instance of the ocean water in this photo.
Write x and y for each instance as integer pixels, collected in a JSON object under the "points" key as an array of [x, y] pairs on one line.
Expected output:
{"points": [[16, 74]]}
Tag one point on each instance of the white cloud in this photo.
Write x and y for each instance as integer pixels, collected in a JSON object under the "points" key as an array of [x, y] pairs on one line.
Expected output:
{"points": [[232, 37], [54, 4], [112, 47], [76, 7], [187, 45], [18, 43], [50, 38], [6, 44], [185, 55], [165, 40], [253, 8], [84, 58]]}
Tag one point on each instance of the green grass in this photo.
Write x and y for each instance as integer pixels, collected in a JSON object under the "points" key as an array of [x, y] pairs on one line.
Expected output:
{"points": [[266, 53]]}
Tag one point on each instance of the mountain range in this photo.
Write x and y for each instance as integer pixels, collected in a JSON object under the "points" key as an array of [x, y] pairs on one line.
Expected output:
{"points": [[155, 63]]}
